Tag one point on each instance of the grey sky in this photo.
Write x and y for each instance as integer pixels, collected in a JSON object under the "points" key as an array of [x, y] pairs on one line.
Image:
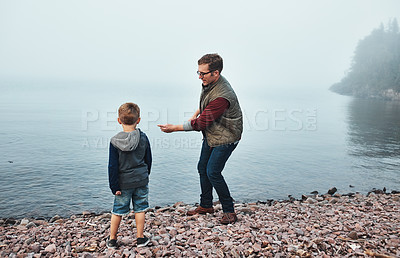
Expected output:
{"points": [[263, 43]]}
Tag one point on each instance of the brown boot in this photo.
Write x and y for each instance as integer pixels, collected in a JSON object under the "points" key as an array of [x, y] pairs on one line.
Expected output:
{"points": [[200, 210], [229, 218]]}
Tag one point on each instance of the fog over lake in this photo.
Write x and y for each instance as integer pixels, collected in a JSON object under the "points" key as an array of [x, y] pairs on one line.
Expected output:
{"points": [[265, 44]]}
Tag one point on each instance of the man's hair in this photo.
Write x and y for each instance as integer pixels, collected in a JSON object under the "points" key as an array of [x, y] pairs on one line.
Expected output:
{"points": [[129, 113], [214, 62]]}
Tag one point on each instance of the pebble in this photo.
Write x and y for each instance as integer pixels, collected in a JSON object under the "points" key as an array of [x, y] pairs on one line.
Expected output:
{"points": [[353, 235], [24, 222], [51, 248], [311, 200], [322, 225], [30, 225], [55, 218], [86, 213]]}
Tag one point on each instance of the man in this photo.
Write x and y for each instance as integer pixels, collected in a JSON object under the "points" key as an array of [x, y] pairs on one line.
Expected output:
{"points": [[220, 120]]}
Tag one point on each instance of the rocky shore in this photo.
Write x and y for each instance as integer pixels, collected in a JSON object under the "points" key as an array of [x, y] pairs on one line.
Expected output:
{"points": [[330, 225]]}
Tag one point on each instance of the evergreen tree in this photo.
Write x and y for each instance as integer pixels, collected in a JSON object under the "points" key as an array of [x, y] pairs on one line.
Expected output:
{"points": [[375, 68], [394, 26]]}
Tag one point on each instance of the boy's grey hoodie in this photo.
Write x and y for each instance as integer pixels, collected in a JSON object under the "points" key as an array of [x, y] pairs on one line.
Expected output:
{"points": [[130, 160]]}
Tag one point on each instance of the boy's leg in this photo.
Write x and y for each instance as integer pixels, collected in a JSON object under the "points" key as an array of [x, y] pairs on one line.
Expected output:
{"points": [[140, 217], [115, 221], [140, 199], [120, 208]]}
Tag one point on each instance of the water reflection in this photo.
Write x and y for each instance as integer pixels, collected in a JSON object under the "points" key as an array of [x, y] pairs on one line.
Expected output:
{"points": [[374, 132]]}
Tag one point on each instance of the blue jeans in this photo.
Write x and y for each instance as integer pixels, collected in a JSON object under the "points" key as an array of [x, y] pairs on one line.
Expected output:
{"points": [[138, 196], [212, 162]]}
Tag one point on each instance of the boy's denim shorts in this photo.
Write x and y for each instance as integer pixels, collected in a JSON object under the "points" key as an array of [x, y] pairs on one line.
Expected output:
{"points": [[139, 197]]}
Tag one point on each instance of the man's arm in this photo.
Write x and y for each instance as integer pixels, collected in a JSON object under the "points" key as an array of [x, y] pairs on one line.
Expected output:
{"points": [[195, 115], [168, 128], [212, 112]]}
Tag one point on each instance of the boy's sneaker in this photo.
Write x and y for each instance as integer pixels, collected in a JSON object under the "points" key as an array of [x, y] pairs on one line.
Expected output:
{"points": [[142, 241], [112, 243]]}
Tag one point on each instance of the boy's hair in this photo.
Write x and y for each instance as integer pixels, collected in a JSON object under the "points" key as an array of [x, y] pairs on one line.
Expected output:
{"points": [[214, 62], [129, 113]]}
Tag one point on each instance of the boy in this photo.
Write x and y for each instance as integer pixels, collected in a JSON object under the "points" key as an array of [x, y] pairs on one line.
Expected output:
{"points": [[128, 173]]}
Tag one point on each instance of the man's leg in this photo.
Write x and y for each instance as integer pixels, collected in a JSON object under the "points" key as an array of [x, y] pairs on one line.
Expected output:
{"points": [[205, 184], [215, 165]]}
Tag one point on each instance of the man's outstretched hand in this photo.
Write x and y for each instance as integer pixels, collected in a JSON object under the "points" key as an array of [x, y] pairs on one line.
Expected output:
{"points": [[167, 128]]}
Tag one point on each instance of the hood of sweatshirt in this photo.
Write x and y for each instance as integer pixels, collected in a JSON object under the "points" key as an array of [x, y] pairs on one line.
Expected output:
{"points": [[126, 141]]}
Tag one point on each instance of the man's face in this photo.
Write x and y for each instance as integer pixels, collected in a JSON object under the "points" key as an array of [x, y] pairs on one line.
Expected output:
{"points": [[206, 76]]}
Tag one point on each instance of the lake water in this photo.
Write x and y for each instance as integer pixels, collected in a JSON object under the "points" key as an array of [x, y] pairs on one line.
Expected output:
{"points": [[54, 145]]}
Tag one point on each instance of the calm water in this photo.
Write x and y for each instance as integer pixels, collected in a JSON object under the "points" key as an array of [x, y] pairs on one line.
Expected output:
{"points": [[54, 145]]}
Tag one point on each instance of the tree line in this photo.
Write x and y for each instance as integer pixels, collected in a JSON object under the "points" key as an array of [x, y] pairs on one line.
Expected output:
{"points": [[375, 68]]}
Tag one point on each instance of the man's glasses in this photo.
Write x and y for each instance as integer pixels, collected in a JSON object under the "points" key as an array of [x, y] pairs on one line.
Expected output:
{"points": [[202, 74]]}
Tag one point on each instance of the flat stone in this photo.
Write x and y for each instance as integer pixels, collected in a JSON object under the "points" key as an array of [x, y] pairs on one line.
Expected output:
{"points": [[24, 222], [51, 248], [353, 235], [311, 201], [31, 225], [53, 219]]}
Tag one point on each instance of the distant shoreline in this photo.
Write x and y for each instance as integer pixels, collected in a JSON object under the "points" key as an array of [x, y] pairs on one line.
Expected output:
{"points": [[389, 95]]}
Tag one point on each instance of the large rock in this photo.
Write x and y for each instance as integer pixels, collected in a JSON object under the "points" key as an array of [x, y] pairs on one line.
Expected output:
{"points": [[332, 191]]}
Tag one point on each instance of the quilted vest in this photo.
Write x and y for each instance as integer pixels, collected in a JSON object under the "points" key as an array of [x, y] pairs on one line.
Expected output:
{"points": [[229, 127]]}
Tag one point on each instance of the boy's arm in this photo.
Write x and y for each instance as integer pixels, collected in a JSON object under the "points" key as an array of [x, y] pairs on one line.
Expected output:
{"points": [[113, 168], [147, 156]]}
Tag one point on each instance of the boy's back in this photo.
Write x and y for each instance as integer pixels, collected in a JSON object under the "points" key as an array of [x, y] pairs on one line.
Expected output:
{"points": [[128, 173], [130, 155]]}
